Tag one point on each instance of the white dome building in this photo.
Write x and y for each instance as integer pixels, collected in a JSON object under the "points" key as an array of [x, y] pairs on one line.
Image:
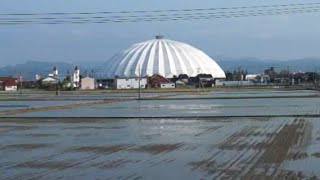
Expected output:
{"points": [[164, 57]]}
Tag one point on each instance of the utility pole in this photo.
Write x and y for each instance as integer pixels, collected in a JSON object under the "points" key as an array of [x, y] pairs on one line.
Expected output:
{"points": [[20, 81], [288, 69], [139, 95], [315, 75], [239, 74], [199, 83]]}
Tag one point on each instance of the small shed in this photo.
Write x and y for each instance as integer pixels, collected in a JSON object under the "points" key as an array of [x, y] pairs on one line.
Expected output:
{"points": [[88, 83]]}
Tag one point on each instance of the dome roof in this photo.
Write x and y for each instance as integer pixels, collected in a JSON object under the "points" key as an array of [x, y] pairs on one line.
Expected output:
{"points": [[164, 57]]}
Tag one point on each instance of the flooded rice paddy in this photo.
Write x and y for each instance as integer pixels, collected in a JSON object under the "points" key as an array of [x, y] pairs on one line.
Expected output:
{"points": [[189, 107], [175, 139]]}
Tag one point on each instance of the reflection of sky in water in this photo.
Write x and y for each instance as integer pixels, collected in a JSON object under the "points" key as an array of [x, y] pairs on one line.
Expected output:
{"points": [[311, 147], [202, 107], [251, 93], [192, 133], [199, 141]]}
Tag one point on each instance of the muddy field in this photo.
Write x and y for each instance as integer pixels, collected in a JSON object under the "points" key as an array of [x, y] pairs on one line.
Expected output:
{"points": [[246, 138], [165, 149]]}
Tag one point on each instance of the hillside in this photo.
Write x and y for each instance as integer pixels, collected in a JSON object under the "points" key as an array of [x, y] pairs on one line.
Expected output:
{"points": [[252, 65]]}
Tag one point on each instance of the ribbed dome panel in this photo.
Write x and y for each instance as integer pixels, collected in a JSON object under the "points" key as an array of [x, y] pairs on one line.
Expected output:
{"points": [[164, 57]]}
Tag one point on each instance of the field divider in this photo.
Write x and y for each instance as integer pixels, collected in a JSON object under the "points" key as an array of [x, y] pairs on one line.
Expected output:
{"points": [[59, 107], [227, 97], [97, 119]]}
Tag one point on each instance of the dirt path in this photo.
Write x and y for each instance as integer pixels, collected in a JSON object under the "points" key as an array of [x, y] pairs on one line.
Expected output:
{"points": [[34, 109]]}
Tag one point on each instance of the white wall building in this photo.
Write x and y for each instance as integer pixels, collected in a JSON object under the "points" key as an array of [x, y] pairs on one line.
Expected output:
{"points": [[50, 80], [130, 83], [88, 83], [10, 88], [167, 85], [252, 77]]}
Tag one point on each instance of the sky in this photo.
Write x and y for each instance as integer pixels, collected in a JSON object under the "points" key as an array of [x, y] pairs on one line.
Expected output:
{"points": [[281, 37]]}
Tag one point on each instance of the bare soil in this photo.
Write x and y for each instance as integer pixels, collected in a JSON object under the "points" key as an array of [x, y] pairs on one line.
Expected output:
{"points": [[47, 165], [28, 146], [114, 163], [208, 130], [268, 151], [102, 149], [158, 148]]}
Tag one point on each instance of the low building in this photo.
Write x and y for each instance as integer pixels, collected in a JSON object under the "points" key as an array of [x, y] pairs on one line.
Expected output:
{"points": [[252, 77], [202, 80], [181, 83], [156, 80], [28, 84], [104, 83], [8, 83], [130, 83], [184, 78], [167, 85], [205, 77], [234, 83], [88, 83], [50, 80]]}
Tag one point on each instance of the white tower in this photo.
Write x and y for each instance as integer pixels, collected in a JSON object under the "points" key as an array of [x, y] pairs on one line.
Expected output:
{"points": [[76, 77], [38, 77], [55, 71]]}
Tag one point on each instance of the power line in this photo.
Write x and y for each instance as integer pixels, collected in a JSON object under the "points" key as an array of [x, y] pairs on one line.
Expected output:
{"points": [[159, 15], [184, 14], [152, 19], [159, 11]]}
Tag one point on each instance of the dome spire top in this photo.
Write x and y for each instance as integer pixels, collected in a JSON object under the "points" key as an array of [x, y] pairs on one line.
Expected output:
{"points": [[159, 37]]}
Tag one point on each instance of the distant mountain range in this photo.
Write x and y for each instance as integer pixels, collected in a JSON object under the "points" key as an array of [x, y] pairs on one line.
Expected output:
{"points": [[31, 68], [252, 65]]}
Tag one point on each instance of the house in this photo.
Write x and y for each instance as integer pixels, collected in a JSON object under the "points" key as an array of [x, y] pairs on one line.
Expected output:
{"points": [[130, 83], [8, 83], [50, 80], [205, 77], [183, 78], [180, 81], [156, 80], [88, 83], [202, 80]]}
